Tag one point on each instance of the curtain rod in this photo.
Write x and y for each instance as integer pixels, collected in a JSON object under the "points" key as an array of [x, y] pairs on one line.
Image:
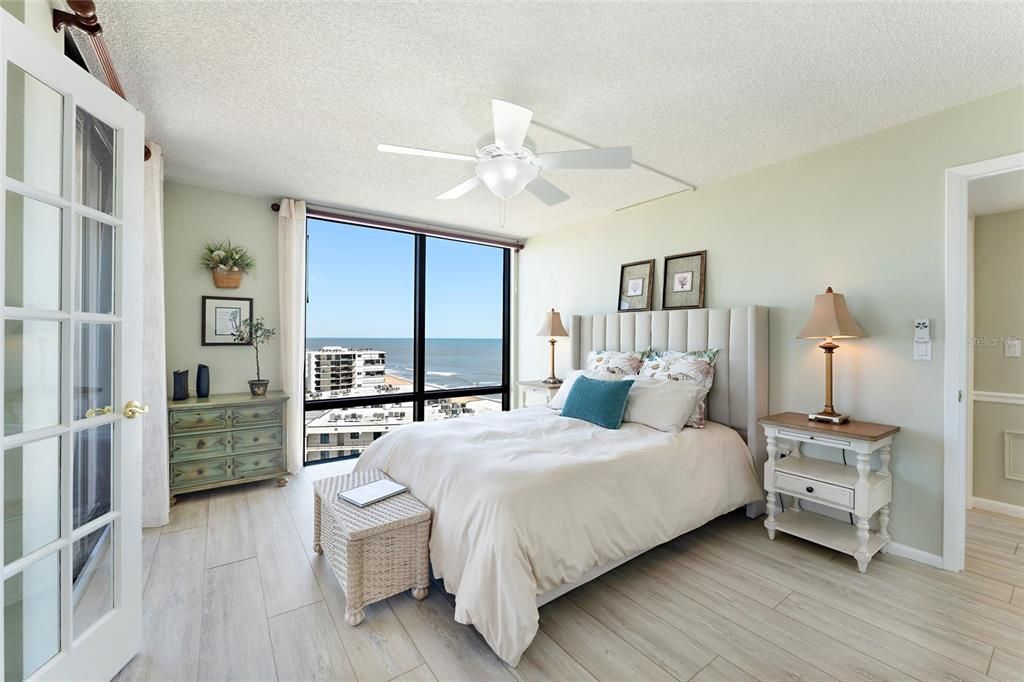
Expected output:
{"points": [[83, 17], [327, 213]]}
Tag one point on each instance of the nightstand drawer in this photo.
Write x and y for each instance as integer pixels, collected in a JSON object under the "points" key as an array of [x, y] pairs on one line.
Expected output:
{"points": [[816, 491], [833, 441]]}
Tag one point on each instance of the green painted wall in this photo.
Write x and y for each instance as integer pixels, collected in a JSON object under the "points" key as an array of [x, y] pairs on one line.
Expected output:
{"points": [[866, 217], [193, 215]]}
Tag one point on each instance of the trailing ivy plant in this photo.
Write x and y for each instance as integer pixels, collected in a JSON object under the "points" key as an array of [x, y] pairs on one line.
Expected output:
{"points": [[226, 257]]}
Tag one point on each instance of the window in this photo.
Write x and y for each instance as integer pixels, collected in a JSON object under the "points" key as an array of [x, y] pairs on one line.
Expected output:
{"points": [[325, 438], [400, 327]]}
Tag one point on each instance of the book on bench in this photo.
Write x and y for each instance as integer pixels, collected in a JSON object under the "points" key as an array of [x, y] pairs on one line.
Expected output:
{"points": [[369, 493]]}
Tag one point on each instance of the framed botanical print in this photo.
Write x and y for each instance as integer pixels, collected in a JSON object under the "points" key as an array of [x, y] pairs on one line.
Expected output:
{"points": [[684, 281], [221, 316], [636, 286]]}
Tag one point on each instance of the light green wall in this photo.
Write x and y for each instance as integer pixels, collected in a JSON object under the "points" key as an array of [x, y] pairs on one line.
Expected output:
{"points": [[998, 313], [866, 217], [192, 216], [37, 15], [998, 300]]}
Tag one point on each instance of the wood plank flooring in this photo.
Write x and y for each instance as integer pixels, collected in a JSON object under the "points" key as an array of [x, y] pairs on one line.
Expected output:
{"points": [[234, 591]]}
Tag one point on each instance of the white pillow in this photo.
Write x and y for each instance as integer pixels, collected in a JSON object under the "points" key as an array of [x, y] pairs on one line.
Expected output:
{"points": [[557, 402], [662, 404]]}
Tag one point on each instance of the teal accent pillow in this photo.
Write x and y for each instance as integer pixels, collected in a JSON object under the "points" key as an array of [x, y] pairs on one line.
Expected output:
{"points": [[598, 402]]}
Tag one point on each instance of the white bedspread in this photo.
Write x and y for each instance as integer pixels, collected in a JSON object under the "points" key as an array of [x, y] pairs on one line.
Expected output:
{"points": [[525, 501]]}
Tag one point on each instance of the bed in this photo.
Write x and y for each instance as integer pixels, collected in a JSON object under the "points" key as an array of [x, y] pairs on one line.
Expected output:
{"points": [[528, 504]]}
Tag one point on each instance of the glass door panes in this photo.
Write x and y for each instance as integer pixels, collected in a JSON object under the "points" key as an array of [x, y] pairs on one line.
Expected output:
{"points": [[32, 367], [31, 497], [35, 132], [32, 253], [94, 162]]}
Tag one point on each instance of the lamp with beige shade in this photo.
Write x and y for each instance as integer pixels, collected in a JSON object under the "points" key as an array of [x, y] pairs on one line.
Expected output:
{"points": [[552, 327], [830, 319]]}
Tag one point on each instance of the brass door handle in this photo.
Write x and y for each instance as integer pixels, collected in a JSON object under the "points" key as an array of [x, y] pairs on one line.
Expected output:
{"points": [[97, 411], [133, 408]]}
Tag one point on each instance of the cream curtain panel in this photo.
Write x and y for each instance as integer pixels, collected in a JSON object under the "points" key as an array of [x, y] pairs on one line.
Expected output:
{"points": [[155, 485], [291, 270]]}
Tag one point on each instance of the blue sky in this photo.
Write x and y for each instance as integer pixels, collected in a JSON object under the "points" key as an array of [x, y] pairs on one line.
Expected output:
{"points": [[361, 285]]}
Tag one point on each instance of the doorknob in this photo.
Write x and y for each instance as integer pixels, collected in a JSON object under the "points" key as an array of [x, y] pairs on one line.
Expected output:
{"points": [[133, 408]]}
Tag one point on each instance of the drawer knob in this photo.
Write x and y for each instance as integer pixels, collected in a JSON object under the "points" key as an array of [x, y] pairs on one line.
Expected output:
{"points": [[810, 489], [200, 443]]}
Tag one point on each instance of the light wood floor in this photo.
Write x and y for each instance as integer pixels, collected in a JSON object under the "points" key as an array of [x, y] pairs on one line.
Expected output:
{"points": [[233, 591]]}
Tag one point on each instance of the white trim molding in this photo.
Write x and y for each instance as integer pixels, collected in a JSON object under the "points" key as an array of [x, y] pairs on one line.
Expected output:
{"points": [[1002, 398], [957, 359], [998, 507], [914, 554]]}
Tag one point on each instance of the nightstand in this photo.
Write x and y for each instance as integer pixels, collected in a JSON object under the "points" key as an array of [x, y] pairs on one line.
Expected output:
{"points": [[853, 488], [537, 389]]}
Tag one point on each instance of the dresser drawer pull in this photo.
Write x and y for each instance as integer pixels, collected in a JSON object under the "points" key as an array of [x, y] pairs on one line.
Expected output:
{"points": [[810, 488], [200, 443]]}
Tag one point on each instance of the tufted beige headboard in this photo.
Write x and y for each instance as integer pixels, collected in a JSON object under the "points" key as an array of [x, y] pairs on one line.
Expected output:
{"points": [[739, 396]]}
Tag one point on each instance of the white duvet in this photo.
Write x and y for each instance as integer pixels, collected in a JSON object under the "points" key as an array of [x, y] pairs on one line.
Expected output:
{"points": [[525, 501]]}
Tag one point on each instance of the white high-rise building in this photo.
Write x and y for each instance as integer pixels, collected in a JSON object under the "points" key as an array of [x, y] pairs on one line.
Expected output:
{"points": [[334, 371]]}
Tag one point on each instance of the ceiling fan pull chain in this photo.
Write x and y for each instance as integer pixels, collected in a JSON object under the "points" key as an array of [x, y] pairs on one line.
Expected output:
{"points": [[502, 213]]}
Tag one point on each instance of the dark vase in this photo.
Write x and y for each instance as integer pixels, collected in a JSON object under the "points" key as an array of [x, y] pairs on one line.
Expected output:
{"points": [[180, 384], [202, 381]]}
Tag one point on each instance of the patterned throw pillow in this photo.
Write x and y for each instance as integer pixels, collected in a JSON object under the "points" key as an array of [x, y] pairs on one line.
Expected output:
{"points": [[697, 366], [615, 362]]}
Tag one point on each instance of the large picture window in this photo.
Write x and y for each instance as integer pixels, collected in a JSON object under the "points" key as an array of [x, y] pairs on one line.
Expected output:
{"points": [[400, 327]]}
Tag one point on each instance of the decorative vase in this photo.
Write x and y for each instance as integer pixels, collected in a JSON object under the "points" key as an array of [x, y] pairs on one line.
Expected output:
{"points": [[202, 381], [258, 387], [226, 279], [180, 384]]}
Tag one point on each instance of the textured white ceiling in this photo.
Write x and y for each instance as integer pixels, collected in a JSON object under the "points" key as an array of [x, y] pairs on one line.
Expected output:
{"points": [[291, 98]]}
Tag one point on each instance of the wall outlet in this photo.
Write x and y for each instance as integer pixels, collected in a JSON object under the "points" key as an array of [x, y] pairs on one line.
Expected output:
{"points": [[1011, 348]]}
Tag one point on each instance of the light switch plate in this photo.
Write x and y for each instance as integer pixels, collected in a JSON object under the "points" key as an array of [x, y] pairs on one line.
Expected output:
{"points": [[1011, 348], [923, 351]]}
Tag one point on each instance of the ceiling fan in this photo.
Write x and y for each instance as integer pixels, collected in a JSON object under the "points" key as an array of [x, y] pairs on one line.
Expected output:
{"points": [[507, 162]]}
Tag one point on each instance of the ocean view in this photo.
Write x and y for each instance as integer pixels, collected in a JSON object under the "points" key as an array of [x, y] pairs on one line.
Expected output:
{"points": [[451, 363]]}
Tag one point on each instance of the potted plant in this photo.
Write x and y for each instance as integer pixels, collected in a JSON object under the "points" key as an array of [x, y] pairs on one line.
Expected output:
{"points": [[255, 333], [227, 262]]}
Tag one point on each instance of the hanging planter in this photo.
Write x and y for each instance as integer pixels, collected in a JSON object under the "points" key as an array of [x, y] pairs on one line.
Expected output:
{"points": [[227, 263]]}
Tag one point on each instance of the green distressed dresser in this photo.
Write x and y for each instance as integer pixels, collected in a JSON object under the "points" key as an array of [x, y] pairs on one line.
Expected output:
{"points": [[225, 440]]}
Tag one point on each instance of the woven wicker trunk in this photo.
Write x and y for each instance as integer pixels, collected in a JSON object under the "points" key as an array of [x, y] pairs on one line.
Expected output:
{"points": [[375, 551]]}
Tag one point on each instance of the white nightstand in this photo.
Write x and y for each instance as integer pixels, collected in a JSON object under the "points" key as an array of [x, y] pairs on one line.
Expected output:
{"points": [[537, 389], [853, 488]]}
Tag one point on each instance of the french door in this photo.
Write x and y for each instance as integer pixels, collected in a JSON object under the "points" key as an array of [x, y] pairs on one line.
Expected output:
{"points": [[71, 242]]}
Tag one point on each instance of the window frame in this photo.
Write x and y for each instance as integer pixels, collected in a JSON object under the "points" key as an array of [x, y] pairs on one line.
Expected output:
{"points": [[419, 395]]}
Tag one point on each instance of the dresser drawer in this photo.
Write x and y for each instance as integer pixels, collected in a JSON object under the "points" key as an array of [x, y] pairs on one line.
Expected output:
{"points": [[257, 415], [185, 448], [185, 474], [254, 440], [186, 421], [261, 463], [816, 491]]}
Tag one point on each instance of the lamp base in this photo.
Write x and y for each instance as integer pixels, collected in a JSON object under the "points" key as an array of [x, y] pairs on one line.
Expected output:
{"points": [[553, 381], [834, 418]]}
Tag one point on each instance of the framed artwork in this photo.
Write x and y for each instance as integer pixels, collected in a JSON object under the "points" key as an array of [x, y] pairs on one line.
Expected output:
{"points": [[636, 286], [684, 281], [221, 316]]}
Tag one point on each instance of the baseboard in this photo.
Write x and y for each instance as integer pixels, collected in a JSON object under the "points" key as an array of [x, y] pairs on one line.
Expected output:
{"points": [[914, 554], [997, 507]]}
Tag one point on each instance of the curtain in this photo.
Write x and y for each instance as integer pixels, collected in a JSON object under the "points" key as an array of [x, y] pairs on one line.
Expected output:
{"points": [[291, 272], [155, 485]]}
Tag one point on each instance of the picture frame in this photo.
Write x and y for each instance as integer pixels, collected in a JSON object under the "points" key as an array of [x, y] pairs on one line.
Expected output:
{"points": [[219, 316], [636, 286], [683, 285]]}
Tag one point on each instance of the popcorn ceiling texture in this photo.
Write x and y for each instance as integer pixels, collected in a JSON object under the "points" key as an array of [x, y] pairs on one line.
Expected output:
{"points": [[291, 98]]}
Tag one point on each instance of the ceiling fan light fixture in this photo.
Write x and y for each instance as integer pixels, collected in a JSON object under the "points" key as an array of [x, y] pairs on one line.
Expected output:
{"points": [[506, 176]]}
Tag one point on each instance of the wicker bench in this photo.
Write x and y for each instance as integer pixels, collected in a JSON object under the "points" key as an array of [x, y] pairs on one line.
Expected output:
{"points": [[375, 551]]}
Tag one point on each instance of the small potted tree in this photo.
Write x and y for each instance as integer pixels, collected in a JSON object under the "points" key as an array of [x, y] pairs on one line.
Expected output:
{"points": [[227, 262], [255, 333]]}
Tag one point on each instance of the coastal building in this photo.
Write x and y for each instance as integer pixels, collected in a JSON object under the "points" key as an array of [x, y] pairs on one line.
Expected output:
{"points": [[335, 371]]}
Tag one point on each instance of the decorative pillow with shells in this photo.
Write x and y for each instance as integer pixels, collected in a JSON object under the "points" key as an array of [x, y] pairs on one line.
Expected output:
{"points": [[695, 366], [615, 362]]}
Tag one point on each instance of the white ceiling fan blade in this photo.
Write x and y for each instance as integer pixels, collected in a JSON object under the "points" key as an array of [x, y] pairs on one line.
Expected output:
{"points": [[546, 192], [510, 124], [413, 151], [604, 157], [460, 189]]}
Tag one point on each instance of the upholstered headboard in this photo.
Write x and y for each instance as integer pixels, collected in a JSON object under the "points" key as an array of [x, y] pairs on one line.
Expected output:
{"points": [[739, 395]]}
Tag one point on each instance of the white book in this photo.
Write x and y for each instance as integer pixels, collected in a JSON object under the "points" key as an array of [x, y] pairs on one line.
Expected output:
{"points": [[372, 492]]}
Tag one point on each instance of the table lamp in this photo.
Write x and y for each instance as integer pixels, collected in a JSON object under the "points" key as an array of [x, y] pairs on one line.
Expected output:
{"points": [[552, 327], [830, 320]]}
